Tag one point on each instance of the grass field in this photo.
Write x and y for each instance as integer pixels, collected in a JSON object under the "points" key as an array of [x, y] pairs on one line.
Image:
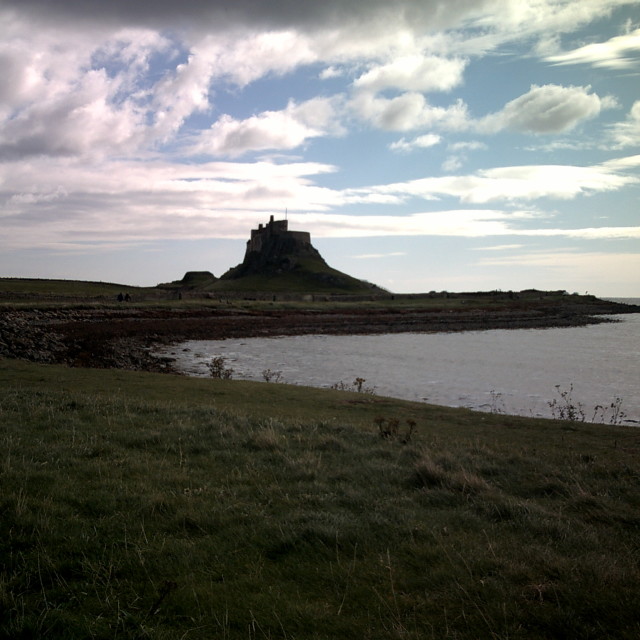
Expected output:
{"points": [[153, 506], [38, 290], [65, 288]]}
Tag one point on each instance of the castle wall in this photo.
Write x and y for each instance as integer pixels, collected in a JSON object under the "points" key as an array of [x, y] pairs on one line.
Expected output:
{"points": [[300, 236], [274, 228]]}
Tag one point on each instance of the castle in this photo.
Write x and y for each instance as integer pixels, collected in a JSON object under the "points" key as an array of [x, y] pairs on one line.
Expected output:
{"points": [[263, 235]]}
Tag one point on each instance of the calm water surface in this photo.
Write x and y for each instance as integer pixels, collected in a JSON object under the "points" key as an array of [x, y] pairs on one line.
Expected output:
{"points": [[511, 371]]}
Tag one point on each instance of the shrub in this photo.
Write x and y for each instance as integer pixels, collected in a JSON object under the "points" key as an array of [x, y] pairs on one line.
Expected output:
{"points": [[218, 369]]}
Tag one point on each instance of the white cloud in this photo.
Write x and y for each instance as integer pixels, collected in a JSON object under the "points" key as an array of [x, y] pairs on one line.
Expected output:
{"points": [[472, 145], [627, 133], [499, 247], [331, 72], [245, 57], [421, 142], [414, 73], [462, 222], [74, 93], [375, 256], [286, 129], [533, 17], [452, 163], [454, 222], [84, 121], [547, 109], [524, 183], [621, 52], [71, 200], [459, 156], [408, 111]]}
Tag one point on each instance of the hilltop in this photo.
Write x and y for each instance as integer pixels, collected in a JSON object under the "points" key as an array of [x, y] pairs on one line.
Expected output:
{"points": [[278, 259]]}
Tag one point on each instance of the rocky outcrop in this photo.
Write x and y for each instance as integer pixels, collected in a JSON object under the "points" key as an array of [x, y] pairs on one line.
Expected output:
{"points": [[22, 337], [279, 259], [77, 338]]}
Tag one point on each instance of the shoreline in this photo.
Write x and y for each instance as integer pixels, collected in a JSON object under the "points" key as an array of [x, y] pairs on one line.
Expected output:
{"points": [[122, 336]]}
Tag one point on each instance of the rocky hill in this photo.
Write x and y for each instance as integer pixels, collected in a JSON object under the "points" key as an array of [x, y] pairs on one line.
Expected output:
{"points": [[277, 259]]}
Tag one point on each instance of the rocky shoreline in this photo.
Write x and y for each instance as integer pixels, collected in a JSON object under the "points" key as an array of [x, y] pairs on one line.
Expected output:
{"points": [[124, 336]]}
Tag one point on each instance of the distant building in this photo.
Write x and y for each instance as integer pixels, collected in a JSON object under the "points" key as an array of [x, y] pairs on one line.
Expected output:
{"points": [[275, 229]]}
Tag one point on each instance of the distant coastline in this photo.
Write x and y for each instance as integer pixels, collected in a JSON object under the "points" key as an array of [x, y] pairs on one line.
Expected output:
{"points": [[83, 324]]}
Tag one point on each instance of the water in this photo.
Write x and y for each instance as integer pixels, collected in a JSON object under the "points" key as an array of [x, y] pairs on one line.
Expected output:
{"points": [[510, 371]]}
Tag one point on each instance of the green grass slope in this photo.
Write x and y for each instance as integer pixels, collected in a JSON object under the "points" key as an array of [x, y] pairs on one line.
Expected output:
{"points": [[15, 287], [310, 275], [153, 506]]}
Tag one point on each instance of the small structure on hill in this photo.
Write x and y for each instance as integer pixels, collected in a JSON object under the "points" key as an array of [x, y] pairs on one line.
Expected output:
{"points": [[275, 229], [277, 259], [272, 249]]}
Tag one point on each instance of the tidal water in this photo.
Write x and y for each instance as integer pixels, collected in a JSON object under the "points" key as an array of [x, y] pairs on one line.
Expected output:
{"points": [[517, 371]]}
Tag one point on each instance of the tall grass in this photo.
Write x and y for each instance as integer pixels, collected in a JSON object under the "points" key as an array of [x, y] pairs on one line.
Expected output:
{"points": [[131, 512]]}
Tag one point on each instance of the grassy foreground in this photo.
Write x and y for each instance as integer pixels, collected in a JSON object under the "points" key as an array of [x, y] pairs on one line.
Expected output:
{"points": [[152, 506]]}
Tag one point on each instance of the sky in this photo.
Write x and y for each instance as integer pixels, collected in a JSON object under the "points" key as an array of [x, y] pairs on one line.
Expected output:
{"points": [[426, 145]]}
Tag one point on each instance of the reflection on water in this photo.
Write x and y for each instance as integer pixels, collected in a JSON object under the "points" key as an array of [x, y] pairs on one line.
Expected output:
{"points": [[512, 371]]}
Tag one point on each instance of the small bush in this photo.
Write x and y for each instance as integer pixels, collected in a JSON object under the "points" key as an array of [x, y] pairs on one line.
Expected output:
{"points": [[270, 375], [563, 408], [357, 386], [218, 369]]}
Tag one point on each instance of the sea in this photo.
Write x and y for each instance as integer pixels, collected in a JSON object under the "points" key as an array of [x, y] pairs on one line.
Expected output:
{"points": [[593, 370]]}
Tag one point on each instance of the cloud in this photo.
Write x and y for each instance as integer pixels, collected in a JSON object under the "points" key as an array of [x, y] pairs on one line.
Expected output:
{"points": [[84, 121], [621, 52], [98, 89], [473, 145], [281, 130], [627, 133], [546, 109], [470, 223], [71, 200], [375, 256], [47, 202], [408, 111], [460, 154], [499, 247], [74, 94], [414, 73], [274, 14], [138, 202], [520, 183], [421, 142], [452, 163], [246, 56]]}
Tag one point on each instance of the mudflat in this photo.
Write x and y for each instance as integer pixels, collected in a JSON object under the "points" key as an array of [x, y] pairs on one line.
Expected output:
{"points": [[121, 335]]}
